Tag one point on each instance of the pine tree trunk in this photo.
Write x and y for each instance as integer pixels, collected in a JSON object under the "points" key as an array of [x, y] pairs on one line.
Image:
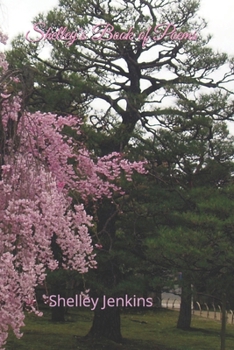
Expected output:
{"points": [[58, 312], [57, 282], [185, 315], [106, 323]]}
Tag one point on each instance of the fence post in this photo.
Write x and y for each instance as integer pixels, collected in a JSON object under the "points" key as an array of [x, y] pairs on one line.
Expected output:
{"points": [[231, 312], [199, 306], [214, 311], [173, 304], [207, 309], [220, 312]]}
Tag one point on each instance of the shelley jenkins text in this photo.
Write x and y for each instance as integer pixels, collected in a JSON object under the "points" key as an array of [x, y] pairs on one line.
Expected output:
{"points": [[80, 301]]}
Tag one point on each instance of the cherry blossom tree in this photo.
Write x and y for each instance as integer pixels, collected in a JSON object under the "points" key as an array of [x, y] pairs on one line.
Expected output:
{"points": [[43, 165]]}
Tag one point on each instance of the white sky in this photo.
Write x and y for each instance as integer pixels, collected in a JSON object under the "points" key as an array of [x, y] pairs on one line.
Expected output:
{"points": [[16, 16]]}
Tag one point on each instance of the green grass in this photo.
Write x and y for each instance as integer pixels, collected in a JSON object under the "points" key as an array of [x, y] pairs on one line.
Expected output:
{"points": [[140, 330]]}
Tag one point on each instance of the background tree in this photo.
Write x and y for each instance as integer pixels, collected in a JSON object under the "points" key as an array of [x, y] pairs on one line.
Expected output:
{"points": [[200, 245], [195, 164]]}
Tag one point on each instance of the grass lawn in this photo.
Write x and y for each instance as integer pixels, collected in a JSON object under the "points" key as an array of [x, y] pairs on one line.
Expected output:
{"points": [[150, 330]]}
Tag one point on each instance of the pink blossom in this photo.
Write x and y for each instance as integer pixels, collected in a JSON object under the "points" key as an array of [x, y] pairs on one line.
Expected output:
{"points": [[98, 246], [40, 172]]}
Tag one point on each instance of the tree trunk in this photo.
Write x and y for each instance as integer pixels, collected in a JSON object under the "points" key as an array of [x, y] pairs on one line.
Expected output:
{"points": [[106, 323], [185, 315], [57, 282], [58, 312]]}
